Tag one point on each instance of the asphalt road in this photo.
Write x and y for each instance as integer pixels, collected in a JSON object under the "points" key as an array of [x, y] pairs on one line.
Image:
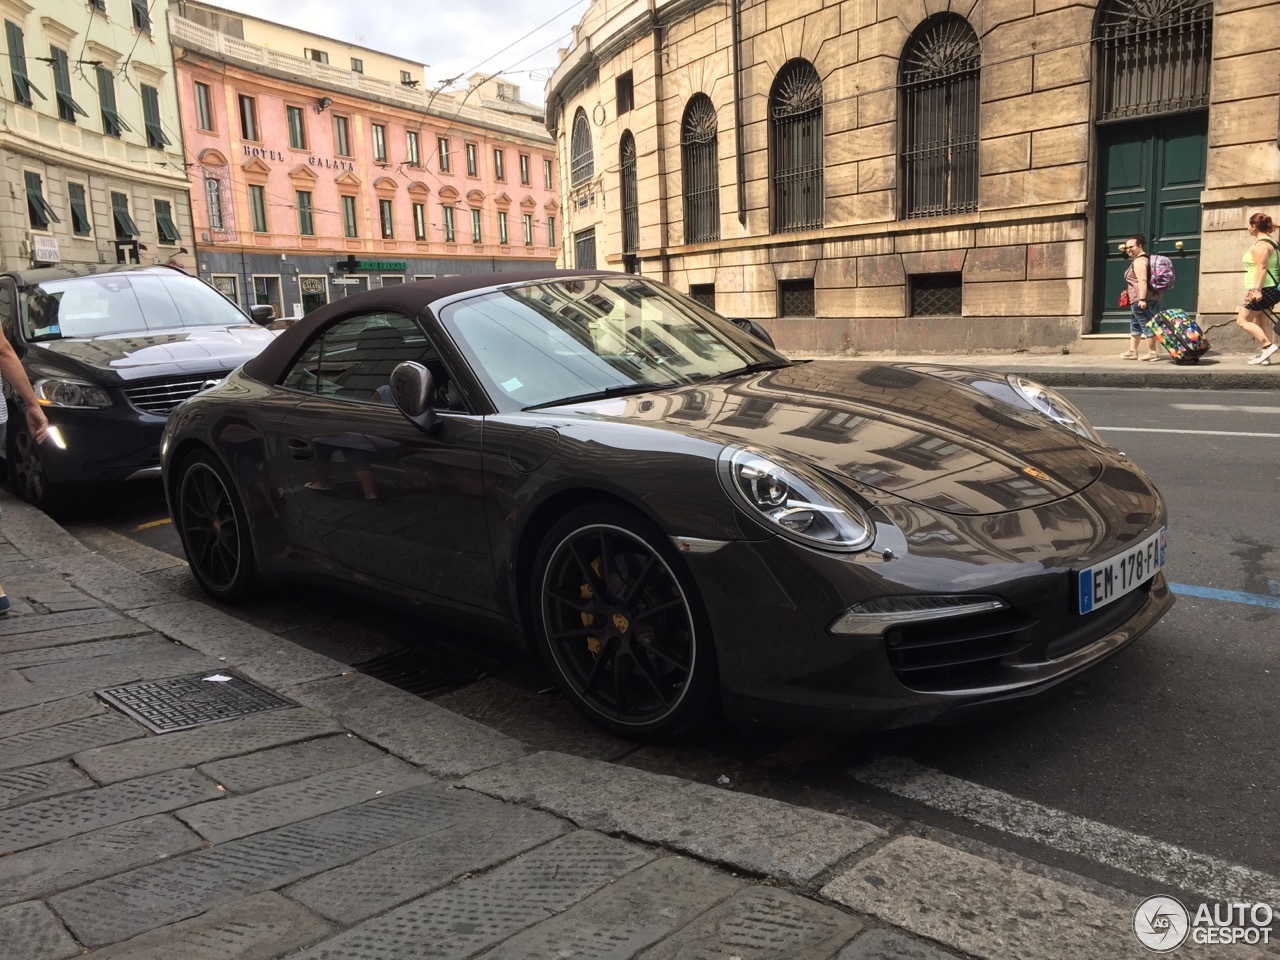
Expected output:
{"points": [[1158, 771]]}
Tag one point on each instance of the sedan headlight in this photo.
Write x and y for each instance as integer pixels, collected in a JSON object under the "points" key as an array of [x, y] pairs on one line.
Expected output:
{"points": [[801, 504], [1054, 406], [64, 392]]}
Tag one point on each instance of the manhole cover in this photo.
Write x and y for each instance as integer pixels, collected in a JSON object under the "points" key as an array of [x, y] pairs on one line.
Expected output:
{"points": [[182, 702]]}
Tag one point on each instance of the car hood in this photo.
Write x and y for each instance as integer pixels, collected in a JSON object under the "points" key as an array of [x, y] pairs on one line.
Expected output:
{"points": [[150, 353], [929, 435]]}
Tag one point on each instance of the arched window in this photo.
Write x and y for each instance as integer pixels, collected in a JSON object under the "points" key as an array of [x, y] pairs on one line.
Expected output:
{"points": [[581, 164], [795, 145], [700, 162], [630, 194], [1153, 57], [938, 78]]}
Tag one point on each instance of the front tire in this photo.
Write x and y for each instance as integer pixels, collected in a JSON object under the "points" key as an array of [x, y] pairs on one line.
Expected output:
{"points": [[620, 625], [214, 530], [27, 477]]}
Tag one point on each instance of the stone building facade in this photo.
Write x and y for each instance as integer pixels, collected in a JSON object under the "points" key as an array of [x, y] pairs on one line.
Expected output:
{"points": [[319, 169], [921, 175], [90, 142]]}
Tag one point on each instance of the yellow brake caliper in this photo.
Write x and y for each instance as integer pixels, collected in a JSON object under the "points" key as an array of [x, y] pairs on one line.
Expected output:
{"points": [[589, 619]]}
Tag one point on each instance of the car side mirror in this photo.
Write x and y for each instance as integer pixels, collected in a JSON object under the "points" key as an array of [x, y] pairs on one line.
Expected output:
{"points": [[262, 313], [412, 388], [753, 328]]}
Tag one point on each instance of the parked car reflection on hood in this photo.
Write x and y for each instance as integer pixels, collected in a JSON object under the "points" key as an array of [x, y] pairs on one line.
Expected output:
{"points": [[110, 352], [677, 517]]}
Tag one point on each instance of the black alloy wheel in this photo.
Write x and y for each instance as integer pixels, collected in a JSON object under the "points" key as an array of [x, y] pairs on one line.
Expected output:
{"points": [[214, 530], [26, 470], [620, 626]]}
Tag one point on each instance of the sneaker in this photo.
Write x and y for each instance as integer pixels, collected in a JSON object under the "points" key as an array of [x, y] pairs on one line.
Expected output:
{"points": [[1268, 351], [1260, 362], [1130, 355], [1152, 356], [4, 604]]}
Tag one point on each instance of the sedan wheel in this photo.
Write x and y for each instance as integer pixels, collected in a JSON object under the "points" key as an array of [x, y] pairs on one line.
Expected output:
{"points": [[214, 529], [620, 627], [26, 469]]}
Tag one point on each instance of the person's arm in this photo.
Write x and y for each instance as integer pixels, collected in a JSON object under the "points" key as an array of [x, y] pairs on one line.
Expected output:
{"points": [[1140, 272], [16, 377], [1261, 254]]}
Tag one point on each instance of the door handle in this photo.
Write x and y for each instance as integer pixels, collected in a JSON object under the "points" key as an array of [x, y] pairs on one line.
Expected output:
{"points": [[299, 449], [1178, 245]]}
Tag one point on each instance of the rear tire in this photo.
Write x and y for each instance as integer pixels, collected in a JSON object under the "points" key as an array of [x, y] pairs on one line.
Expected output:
{"points": [[214, 529], [620, 626]]}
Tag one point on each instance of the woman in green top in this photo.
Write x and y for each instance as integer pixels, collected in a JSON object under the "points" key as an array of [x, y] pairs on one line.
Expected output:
{"points": [[1262, 277]]}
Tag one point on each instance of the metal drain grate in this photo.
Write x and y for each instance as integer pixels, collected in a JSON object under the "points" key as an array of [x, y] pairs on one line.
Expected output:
{"points": [[424, 673], [182, 702]]}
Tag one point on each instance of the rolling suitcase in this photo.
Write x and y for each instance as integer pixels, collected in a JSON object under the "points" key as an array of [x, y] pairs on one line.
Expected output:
{"points": [[1179, 334]]}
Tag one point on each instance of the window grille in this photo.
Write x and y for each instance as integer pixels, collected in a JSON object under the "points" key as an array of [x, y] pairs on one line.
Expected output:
{"points": [[936, 295], [703, 293], [584, 248], [795, 298], [795, 114], [1154, 57], [939, 84], [701, 170], [630, 195], [581, 163]]}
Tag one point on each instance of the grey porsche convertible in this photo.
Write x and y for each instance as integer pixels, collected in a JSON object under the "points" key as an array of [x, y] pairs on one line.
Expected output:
{"points": [[678, 518]]}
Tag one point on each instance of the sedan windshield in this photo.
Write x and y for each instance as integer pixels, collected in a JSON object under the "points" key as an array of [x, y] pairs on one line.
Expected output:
{"points": [[114, 303], [585, 338]]}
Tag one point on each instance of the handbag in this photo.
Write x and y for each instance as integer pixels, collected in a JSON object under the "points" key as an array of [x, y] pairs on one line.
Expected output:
{"points": [[1124, 298]]}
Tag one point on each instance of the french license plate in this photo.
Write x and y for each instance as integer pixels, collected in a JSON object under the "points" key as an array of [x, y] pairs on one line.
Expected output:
{"points": [[1113, 578]]}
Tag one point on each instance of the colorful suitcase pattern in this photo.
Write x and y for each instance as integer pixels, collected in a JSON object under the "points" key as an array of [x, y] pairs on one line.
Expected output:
{"points": [[1179, 334]]}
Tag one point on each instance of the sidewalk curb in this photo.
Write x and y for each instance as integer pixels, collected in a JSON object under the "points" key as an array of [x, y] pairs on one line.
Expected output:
{"points": [[947, 895]]}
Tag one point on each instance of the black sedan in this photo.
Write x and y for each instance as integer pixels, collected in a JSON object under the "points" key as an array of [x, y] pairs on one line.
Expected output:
{"points": [[110, 351], [675, 515]]}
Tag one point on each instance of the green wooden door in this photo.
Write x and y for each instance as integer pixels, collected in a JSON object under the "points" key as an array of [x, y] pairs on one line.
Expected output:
{"points": [[1151, 173]]}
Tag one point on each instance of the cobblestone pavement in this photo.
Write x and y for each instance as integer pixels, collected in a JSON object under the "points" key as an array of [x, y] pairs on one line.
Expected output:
{"points": [[363, 822]]}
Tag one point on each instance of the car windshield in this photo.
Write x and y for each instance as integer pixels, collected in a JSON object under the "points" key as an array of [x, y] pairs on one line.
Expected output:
{"points": [[587, 337], [114, 303]]}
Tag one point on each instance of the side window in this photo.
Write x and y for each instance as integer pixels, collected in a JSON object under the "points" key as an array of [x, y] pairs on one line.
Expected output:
{"points": [[353, 360], [6, 308]]}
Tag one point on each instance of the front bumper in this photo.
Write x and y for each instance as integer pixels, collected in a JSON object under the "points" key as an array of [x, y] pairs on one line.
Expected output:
{"points": [[102, 446], [770, 604]]}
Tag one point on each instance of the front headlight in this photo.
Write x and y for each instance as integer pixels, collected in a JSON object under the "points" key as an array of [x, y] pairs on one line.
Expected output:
{"points": [[1054, 406], [801, 504], [64, 392]]}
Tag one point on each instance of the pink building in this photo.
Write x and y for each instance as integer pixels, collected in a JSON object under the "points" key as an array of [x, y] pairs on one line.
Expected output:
{"points": [[310, 182]]}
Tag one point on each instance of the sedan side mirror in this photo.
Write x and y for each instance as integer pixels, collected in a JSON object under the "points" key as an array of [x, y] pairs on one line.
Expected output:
{"points": [[262, 313], [753, 328], [412, 388]]}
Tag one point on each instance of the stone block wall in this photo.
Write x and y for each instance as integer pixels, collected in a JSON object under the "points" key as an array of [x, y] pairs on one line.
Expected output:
{"points": [[1026, 257]]}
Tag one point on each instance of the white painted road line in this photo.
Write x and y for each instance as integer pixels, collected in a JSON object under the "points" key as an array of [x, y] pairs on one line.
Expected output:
{"points": [[1171, 867], [1223, 408], [1199, 433]]}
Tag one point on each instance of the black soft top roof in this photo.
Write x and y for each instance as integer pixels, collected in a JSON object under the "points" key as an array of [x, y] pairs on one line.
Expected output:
{"points": [[407, 298]]}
